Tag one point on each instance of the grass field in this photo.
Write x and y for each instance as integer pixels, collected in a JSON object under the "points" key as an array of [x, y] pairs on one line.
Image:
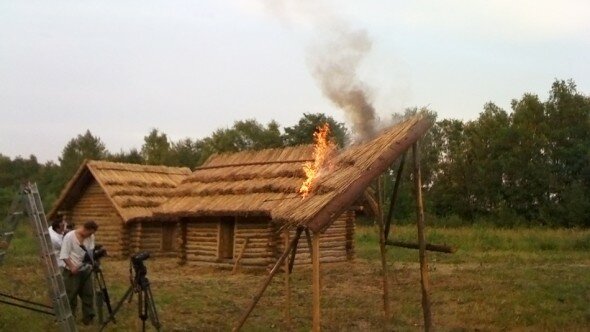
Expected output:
{"points": [[518, 279]]}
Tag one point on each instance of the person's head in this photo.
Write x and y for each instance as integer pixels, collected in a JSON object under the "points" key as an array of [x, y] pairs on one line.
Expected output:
{"points": [[58, 225], [88, 228]]}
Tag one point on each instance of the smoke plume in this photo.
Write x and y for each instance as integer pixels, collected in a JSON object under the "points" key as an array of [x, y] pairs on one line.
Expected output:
{"points": [[334, 58]]}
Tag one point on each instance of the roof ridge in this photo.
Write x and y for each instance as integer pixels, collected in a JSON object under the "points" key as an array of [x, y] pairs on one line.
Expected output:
{"points": [[118, 166]]}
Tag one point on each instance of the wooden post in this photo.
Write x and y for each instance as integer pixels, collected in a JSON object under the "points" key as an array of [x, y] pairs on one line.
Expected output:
{"points": [[308, 237], [421, 240], [287, 284], [267, 281], [293, 253], [316, 283], [239, 258], [383, 250], [430, 247], [398, 178]]}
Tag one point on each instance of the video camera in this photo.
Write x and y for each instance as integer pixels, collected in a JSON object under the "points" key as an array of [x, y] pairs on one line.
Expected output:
{"points": [[139, 267], [138, 258], [93, 256]]}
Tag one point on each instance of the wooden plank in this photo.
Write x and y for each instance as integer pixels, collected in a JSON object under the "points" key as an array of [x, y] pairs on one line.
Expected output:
{"points": [[266, 282], [316, 287], [237, 263], [383, 250], [308, 237], [288, 268], [425, 281], [430, 247], [398, 178]]}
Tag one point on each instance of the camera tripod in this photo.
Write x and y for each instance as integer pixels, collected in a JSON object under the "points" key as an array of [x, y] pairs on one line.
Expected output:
{"points": [[102, 293], [146, 307]]}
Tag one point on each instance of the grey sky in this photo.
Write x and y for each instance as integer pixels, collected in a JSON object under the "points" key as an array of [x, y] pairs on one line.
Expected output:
{"points": [[120, 68]]}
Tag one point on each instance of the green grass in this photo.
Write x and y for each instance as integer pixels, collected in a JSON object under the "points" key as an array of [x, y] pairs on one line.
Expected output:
{"points": [[514, 279]]}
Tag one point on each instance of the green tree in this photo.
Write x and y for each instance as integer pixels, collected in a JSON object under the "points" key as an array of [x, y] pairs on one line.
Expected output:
{"points": [[133, 156], [527, 175], [156, 148], [243, 135], [568, 113], [187, 153], [487, 148], [302, 132], [86, 146]]}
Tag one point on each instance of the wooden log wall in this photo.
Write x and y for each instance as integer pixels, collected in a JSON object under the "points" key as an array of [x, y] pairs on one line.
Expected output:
{"points": [[336, 243], [147, 236], [260, 251], [133, 233], [95, 205], [201, 242], [181, 241]]}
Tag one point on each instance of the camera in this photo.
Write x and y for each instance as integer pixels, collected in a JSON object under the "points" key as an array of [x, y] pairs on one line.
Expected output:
{"points": [[138, 258], [140, 279], [93, 257]]}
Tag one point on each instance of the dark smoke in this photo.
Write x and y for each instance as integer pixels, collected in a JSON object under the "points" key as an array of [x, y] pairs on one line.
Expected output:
{"points": [[334, 62], [334, 59]]}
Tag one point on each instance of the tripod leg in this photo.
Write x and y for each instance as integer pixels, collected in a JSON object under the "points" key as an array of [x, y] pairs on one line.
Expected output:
{"points": [[128, 294], [151, 305], [98, 299], [104, 291]]}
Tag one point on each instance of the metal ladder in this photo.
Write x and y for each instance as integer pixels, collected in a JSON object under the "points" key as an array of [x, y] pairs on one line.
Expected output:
{"points": [[30, 198]]}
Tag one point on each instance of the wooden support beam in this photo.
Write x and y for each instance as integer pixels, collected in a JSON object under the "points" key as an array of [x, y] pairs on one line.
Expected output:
{"points": [[425, 281], [266, 282], [398, 178], [316, 283], [308, 237], [288, 282], [239, 258], [383, 250], [293, 253], [430, 247]]}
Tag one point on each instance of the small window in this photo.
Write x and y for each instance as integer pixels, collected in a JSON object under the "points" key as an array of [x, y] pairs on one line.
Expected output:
{"points": [[226, 238], [168, 236]]}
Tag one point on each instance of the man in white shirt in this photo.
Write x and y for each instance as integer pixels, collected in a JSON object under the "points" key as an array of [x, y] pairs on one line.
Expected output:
{"points": [[56, 232], [78, 280]]}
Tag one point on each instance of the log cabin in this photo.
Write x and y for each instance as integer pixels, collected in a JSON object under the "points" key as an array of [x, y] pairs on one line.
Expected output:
{"points": [[224, 211], [120, 198]]}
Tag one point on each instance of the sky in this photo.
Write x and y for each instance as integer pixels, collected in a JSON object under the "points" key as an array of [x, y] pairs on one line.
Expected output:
{"points": [[120, 68]]}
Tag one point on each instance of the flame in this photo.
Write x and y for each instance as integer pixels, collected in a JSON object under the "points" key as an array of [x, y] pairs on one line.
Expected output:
{"points": [[323, 148]]}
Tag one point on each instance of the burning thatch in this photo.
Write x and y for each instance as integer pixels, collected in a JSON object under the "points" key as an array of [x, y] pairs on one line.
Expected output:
{"points": [[353, 171], [243, 183], [267, 182]]}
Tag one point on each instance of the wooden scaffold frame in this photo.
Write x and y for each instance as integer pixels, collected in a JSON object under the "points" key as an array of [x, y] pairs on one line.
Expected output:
{"points": [[384, 230]]}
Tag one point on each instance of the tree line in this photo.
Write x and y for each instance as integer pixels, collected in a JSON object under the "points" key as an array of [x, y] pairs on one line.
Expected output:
{"points": [[528, 166]]}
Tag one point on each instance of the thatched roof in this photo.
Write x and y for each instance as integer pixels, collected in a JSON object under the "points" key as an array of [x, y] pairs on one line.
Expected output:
{"points": [[134, 190], [245, 183], [353, 171], [266, 182]]}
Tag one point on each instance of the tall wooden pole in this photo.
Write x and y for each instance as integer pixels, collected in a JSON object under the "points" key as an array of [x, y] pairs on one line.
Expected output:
{"points": [[421, 239], [267, 281], [398, 178], [316, 283], [383, 250], [308, 237], [287, 285]]}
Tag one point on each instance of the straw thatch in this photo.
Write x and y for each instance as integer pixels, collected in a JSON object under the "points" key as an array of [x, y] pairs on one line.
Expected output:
{"points": [[266, 183], [353, 171], [133, 190], [246, 183]]}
